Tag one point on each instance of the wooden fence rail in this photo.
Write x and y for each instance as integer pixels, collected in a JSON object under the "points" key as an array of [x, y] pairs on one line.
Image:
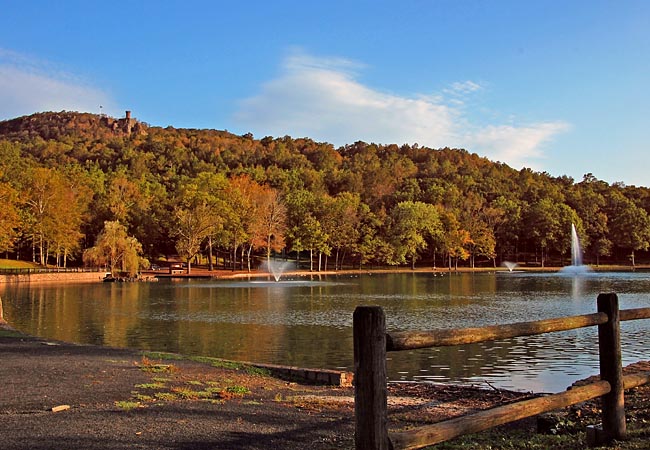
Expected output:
{"points": [[371, 342]]}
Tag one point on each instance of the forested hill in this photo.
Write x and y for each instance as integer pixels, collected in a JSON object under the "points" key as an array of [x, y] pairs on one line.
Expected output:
{"points": [[358, 204]]}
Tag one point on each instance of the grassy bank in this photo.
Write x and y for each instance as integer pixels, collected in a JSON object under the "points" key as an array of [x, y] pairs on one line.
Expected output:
{"points": [[13, 264]]}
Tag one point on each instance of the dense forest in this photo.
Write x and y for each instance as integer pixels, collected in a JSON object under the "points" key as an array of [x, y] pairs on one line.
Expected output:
{"points": [[81, 188]]}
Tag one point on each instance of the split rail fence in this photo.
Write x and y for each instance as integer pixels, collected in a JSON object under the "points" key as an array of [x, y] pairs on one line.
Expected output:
{"points": [[371, 342]]}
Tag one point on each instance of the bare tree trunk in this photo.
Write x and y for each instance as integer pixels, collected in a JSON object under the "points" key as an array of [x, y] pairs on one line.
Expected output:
{"points": [[210, 265]]}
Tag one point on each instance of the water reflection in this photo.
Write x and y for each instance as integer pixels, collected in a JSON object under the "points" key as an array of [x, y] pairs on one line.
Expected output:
{"points": [[308, 322]]}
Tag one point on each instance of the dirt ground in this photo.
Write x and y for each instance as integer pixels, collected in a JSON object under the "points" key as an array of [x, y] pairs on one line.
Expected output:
{"points": [[119, 399]]}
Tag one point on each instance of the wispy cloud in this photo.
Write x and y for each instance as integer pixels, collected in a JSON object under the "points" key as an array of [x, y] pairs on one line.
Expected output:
{"points": [[322, 98], [28, 86], [517, 146]]}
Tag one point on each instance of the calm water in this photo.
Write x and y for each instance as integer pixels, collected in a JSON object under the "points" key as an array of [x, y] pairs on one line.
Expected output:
{"points": [[308, 323]]}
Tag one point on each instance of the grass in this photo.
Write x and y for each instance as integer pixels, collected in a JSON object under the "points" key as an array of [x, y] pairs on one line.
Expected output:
{"points": [[166, 396], [13, 264], [150, 386], [127, 405], [214, 362], [148, 365], [238, 390], [10, 333]]}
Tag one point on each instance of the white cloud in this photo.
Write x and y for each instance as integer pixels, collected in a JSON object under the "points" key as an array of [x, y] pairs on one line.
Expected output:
{"points": [[463, 87], [321, 98], [517, 146], [27, 87]]}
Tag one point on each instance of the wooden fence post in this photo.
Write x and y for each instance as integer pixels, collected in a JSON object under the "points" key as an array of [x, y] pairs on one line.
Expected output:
{"points": [[611, 368], [370, 392]]}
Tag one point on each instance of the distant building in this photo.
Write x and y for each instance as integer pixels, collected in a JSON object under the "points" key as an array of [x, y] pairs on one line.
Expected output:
{"points": [[126, 125]]}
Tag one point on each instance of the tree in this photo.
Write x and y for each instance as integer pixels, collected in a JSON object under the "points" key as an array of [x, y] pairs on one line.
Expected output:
{"points": [[455, 239], [412, 224], [341, 221], [629, 225], [549, 223], [588, 200], [370, 246], [268, 226], [115, 248], [123, 196], [10, 218], [56, 206], [197, 214], [194, 223]]}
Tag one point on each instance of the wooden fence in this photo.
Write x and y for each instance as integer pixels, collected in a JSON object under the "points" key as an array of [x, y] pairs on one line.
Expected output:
{"points": [[371, 342]]}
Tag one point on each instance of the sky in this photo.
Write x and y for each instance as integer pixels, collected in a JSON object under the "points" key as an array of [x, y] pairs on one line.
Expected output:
{"points": [[556, 86]]}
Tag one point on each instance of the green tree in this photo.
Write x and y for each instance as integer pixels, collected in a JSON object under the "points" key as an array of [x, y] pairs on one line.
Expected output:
{"points": [[548, 224], [629, 224], [412, 225], [341, 221]]}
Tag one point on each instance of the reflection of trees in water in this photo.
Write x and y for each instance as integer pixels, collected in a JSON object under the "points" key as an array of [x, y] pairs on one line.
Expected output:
{"points": [[310, 324]]}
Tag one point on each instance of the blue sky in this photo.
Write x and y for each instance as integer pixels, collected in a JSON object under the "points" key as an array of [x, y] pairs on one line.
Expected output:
{"points": [[557, 86]]}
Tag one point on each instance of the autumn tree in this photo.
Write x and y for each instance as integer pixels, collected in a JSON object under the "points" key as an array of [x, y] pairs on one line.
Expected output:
{"points": [[56, 211], [116, 249], [455, 239], [197, 214], [9, 218], [268, 225]]}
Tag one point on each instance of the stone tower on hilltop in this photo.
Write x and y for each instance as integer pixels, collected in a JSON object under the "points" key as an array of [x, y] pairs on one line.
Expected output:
{"points": [[126, 125]]}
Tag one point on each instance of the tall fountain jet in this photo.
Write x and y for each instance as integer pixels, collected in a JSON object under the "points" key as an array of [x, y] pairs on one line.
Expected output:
{"points": [[576, 251], [576, 267]]}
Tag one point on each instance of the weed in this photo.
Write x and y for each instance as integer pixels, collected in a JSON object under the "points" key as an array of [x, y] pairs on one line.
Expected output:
{"points": [[216, 362], [161, 379], [259, 371], [189, 394], [151, 366], [150, 386], [10, 333], [238, 390], [166, 396], [162, 356], [127, 405]]}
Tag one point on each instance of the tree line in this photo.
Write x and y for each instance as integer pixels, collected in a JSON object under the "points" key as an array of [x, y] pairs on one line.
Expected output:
{"points": [[74, 189]]}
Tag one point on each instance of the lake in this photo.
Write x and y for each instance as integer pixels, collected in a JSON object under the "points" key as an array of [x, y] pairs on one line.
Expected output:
{"points": [[308, 321]]}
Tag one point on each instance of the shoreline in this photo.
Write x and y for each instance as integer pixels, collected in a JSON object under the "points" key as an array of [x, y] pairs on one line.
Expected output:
{"points": [[201, 272]]}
